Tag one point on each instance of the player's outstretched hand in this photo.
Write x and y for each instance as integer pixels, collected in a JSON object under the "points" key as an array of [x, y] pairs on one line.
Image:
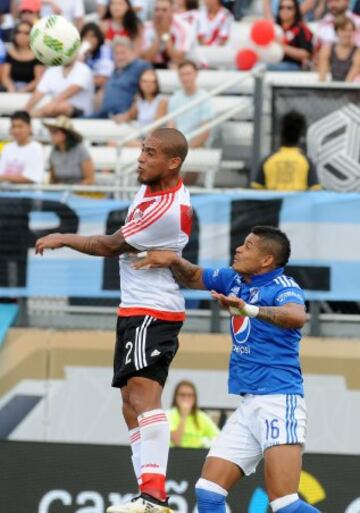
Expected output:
{"points": [[52, 241], [234, 304], [155, 259]]}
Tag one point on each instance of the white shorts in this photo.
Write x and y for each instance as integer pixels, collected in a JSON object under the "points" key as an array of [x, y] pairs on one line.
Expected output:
{"points": [[260, 422]]}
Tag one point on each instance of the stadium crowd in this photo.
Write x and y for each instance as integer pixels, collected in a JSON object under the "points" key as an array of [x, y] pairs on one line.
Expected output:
{"points": [[125, 42]]}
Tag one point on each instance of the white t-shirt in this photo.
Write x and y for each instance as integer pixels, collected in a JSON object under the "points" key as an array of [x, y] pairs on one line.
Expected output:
{"points": [[71, 9], [27, 161], [159, 220], [194, 118], [53, 82]]}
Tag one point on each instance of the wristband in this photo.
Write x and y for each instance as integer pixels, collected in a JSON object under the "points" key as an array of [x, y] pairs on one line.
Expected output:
{"points": [[248, 310], [142, 254]]}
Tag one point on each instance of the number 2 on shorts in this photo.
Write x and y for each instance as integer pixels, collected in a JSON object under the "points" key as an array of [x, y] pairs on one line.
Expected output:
{"points": [[128, 346]]}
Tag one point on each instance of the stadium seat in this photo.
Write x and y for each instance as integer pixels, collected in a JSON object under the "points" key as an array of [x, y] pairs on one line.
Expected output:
{"points": [[203, 161]]}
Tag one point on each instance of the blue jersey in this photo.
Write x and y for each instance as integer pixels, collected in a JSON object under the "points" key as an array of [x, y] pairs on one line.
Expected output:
{"points": [[264, 357]]}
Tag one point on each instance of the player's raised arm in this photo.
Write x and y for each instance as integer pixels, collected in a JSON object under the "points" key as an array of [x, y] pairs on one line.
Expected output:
{"points": [[96, 245], [186, 273]]}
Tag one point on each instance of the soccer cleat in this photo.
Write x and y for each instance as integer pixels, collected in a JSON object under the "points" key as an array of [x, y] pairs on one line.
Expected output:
{"points": [[141, 504]]}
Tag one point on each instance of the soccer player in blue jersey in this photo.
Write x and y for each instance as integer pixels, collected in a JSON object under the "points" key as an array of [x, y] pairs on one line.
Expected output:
{"points": [[267, 312]]}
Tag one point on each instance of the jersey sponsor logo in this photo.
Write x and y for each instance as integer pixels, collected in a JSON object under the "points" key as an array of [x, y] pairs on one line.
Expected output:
{"points": [[241, 349], [254, 296], [240, 328]]}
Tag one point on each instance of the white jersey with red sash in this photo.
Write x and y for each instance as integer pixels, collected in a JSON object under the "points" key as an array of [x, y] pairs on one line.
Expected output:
{"points": [[160, 220]]}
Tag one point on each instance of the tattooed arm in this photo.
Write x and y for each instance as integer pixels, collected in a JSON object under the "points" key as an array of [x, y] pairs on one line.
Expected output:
{"points": [[186, 273], [290, 315], [96, 245]]}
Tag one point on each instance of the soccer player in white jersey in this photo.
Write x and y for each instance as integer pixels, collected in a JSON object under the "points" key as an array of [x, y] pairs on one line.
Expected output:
{"points": [[267, 313], [151, 310]]}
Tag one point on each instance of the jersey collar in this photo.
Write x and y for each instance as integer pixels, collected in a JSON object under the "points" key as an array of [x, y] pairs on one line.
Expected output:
{"points": [[165, 191], [261, 279]]}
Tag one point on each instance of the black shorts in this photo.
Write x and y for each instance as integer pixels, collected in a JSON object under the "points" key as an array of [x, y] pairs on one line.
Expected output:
{"points": [[145, 346]]}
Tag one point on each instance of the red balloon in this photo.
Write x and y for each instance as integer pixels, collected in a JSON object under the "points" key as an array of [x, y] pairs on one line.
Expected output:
{"points": [[246, 59], [262, 32]]}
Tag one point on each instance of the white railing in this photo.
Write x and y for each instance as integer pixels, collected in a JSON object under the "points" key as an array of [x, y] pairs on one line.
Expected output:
{"points": [[123, 173]]}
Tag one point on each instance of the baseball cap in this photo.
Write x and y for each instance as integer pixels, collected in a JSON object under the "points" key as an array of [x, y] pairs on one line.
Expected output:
{"points": [[30, 5]]}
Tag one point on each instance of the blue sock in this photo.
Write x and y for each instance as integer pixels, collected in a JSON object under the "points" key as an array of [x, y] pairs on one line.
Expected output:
{"points": [[298, 506], [209, 502]]}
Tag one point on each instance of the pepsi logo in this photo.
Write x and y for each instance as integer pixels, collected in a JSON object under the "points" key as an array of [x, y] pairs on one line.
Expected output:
{"points": [[240, 328]]}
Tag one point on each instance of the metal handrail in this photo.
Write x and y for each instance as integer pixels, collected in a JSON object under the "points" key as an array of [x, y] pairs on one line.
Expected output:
{"points": [[129, 168], [135, 134], [185, 108]]}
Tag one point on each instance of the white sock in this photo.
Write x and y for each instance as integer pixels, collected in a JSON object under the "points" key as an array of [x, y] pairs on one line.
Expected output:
{"points": [[281, 502], [155, 442], [135, 443], [210, 486]]}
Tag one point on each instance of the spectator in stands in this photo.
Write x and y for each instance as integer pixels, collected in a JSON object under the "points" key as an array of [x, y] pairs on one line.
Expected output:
{"points": [[141, 7], [29, 10], [2, 57], [70, 160], [22, 71], [101, 8], [297, 43], [71, 88], [325, 31], [288, 169], [308, 8], [149, 104], [121, 20], [187, 10], [8, 11], [22, 161], [190, 427], [213, 24], [96, 54], [341, 59], [198, 115], [122, 86], [73, 10], [166, 39]]}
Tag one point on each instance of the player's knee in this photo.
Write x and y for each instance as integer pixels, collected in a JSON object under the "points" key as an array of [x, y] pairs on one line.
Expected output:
{"points": [[210, 497]]}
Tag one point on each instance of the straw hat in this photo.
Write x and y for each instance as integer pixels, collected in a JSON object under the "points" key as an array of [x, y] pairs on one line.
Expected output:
{"points": [[65, 124]]}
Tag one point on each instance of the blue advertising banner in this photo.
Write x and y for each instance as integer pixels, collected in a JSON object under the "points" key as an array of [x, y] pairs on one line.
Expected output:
{"points": [[323, 228]]}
